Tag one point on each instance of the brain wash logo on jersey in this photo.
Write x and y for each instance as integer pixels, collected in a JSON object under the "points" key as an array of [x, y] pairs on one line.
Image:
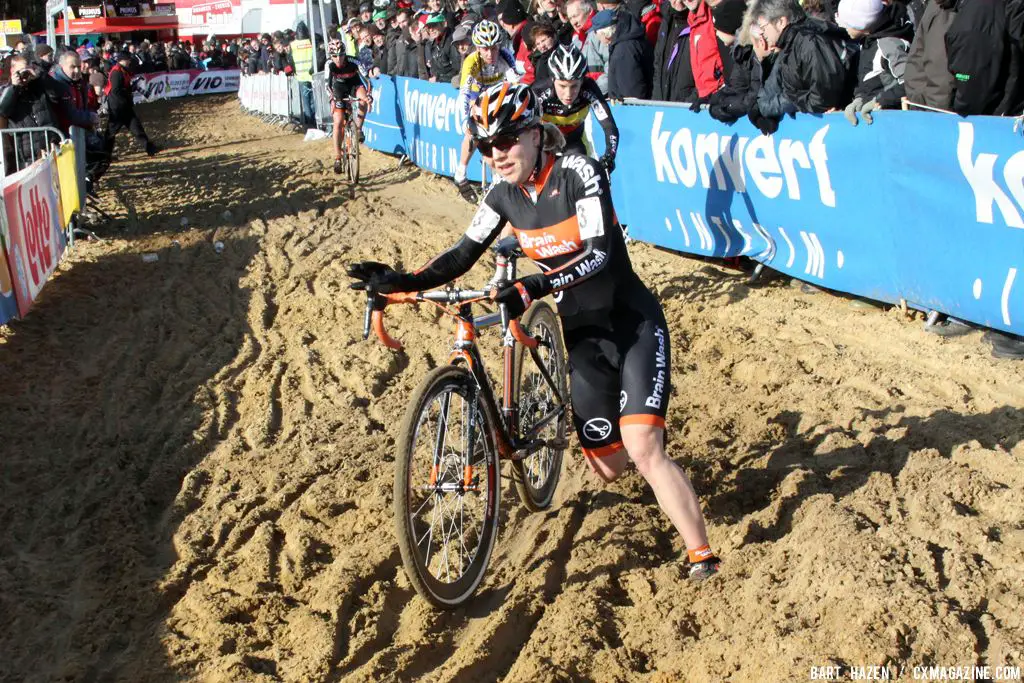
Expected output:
{"points": [[597, 429], [770, 163]]}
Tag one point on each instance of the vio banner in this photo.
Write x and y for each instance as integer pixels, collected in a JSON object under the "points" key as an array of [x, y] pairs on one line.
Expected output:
{"points": [[34, 239]]}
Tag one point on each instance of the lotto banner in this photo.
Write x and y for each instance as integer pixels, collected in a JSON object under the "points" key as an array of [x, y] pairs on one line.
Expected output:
{"points": [[920, 206], [35, 238], [158, 86]]}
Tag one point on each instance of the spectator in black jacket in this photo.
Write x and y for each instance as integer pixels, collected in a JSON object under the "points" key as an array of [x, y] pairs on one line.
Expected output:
{"points": [[985, 48], [409, 58], [630, 60], [394, 36], [443, 60], [29, 102], [751, 63], [122, 106], [885, 32], [548, 13], [672, 74], [928, 80], [808, 75]]}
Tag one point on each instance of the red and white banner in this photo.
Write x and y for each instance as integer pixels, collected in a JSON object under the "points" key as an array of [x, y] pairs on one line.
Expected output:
{"points": [[34, 237], [158, 86]]}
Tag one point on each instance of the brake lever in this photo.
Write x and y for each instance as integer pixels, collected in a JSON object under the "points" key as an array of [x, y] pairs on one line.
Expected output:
{"points": [[374, 302]]}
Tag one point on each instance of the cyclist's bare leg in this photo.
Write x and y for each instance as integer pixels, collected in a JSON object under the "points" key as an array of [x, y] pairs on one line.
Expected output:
{"points": [[364, 106], [608, 467], [672, 488], [339, 130], [468, 147]]}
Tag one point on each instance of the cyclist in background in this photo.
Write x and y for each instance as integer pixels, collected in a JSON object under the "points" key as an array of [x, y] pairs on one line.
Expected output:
{"points": [[560, 209], [568, 99], [346, 78], [488, 65]]}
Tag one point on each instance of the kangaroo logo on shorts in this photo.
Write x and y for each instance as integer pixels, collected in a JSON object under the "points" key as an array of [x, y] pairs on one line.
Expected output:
{"points": [[623, 397], [597, 429]]}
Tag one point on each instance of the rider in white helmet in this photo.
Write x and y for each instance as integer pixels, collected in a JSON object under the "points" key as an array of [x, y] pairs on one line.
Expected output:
{"points": [[570, 97], [488, 65]]}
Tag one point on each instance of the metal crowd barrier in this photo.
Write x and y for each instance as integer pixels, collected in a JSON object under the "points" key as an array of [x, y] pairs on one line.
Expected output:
{"points": [[11, 150]]}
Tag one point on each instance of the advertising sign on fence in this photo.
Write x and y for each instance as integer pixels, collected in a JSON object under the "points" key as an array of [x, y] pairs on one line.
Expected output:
{"points": [[8, 302], [67, 176], [920, 206], [35, 237], [158, 86]]}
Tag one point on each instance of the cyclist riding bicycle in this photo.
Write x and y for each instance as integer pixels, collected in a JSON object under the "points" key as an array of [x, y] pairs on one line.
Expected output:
{"points": [[488, 65], [567, 101], [615, 333], [346, 77]]}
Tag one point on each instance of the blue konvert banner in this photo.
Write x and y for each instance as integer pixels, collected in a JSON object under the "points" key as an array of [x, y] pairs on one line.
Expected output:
{"points": [[920, 206]]}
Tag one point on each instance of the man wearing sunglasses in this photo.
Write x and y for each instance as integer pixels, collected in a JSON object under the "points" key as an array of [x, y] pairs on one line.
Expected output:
{"points": [[560, 209]]}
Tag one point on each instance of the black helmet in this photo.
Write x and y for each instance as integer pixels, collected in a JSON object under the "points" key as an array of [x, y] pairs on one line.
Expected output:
{"points": [[503, 109]]}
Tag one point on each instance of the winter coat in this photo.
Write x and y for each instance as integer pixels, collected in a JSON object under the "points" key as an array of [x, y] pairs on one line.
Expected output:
{"points": [[808, 75], [883, 59], [28, 106], [563, 29], [409, 58], [73, 103], [985, 49], [596, 54], [673, 76], [740, 92], [443, 58], [630, 60], [705, 52]]}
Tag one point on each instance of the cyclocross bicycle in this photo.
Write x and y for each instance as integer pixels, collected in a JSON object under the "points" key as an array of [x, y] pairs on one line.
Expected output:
{"points": [[350, 145], [455, 433]]}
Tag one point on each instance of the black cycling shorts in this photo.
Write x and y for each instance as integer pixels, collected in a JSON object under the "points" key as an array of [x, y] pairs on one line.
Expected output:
{"points": [[620, 374], [343, 88]]}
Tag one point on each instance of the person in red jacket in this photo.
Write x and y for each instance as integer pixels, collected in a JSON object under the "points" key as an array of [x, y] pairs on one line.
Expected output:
{"points": [[580, 14]]}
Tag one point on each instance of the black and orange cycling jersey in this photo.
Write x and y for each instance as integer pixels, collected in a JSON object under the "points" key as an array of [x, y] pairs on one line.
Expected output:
{"points": [[345, 79], [570, 119], [614, 328]]}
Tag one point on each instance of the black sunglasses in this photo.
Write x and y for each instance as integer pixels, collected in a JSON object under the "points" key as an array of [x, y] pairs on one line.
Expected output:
{"points": [[502, 142]]}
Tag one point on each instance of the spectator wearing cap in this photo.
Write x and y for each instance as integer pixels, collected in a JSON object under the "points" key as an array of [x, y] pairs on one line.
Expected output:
{"points": [[121, 106], [985, 53], [885, 32], [462, 38], [808, 74], [751, 63], [514, 19], [393, 36], [581, 15], [596, 51], [630, 58], [728, 16], [928, 80], [443, 60], [366, 13], [379, 49], [44, 57]]}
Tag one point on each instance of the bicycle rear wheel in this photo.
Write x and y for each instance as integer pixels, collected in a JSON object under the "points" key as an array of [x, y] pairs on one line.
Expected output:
{"points": [[447, 488], [352, 137], [537, 475]]}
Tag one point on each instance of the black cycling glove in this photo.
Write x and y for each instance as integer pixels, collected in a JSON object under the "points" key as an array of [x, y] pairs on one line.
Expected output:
{"points": [[380, 277], [608, 161], [518, 295]]}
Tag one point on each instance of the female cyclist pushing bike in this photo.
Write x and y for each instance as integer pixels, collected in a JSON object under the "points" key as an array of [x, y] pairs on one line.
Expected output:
{"points": [[346, 78], [615, 333]]}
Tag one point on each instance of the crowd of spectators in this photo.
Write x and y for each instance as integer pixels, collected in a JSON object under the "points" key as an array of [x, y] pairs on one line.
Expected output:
{"points": [[762, 59]]}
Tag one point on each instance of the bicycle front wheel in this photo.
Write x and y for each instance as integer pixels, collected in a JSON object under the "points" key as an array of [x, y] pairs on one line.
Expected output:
{"points": [[537, 475], [353, 151], [446, 488]]}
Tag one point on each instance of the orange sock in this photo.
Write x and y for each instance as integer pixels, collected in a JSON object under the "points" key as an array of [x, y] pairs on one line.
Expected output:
{"points": [[700, 554]]}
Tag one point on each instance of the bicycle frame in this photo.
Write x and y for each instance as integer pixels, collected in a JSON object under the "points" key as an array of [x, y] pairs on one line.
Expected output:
{"points": [[511, 444]]}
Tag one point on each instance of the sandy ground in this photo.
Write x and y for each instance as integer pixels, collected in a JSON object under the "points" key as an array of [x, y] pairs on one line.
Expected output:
{"points": [[197, 460]]}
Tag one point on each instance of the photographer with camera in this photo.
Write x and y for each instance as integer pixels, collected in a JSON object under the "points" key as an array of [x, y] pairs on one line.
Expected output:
{"points": [[122, 106], [30, 102]]}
